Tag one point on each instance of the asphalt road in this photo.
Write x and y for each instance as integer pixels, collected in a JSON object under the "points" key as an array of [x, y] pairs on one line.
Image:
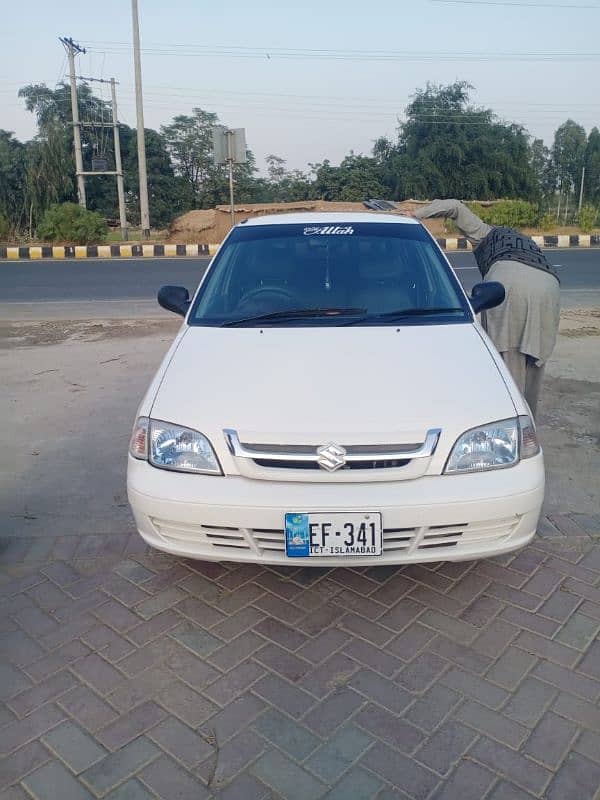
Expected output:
{"points": [[131, 285]]}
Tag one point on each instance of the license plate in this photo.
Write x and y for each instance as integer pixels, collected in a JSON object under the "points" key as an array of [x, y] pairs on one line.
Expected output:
{"points": [[337, 534]]}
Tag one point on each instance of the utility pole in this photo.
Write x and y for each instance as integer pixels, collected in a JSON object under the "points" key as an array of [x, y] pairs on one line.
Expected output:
{"points": [[230, 159], [72, 49], [118, 165], [581, 188], [141, 144]]}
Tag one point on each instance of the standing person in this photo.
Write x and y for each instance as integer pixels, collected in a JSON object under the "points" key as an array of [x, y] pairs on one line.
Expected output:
{"points": [[524, 327]]}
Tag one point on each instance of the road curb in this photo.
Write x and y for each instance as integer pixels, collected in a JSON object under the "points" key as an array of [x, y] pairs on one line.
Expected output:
{"points": [[49, 252]]}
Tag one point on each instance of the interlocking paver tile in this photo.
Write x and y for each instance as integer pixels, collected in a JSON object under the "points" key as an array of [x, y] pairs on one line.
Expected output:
{"points": [[451, 680], [50, 689], [416, 780], [588, 744], [474, 687], [186, 704], [530, 701], [131, 790], [130, 725], [590, 663], [22, 762], [75, 747], [550, 740], [53, 662], [576, 779], [469, 781], [446, 746], [98, 673], [283, 662], [331, 674], [578, 631], [357, 784], [396, 732], [87, 708], [284, 695], [236, 650], [429, 711], [522, 770], [567, 680], [286, 777], [235, 716], [232, 757], [20, 731], [297, 741], [12, 680], [492, 724], [53, 781], [181, 742], [19, 648], [170, 781], [335, 709], [116, 767], [584, 713], [510, 668], [338, 754]]}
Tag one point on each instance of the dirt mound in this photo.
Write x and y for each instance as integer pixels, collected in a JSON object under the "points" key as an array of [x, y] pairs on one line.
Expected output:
{"points": [[211, 227]]}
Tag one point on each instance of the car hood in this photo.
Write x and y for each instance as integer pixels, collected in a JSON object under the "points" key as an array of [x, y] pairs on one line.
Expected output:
{"points": [[352, 385]]}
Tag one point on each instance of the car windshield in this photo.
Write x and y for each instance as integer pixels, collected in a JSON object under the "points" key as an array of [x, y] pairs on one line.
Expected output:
{"points": [[329, 274]]}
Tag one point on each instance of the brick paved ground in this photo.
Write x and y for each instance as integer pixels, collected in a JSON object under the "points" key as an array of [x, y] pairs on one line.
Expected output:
{"points": [[131, 675]]}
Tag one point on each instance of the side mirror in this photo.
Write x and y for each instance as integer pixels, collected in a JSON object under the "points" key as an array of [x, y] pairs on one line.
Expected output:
{"points": [[174, 298], [487, 295]]}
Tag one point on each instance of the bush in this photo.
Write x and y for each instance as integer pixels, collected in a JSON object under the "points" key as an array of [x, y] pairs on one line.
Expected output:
{"points": [[4, 227], [547, 221], [588, 216], [509, 213], [69, 222]]}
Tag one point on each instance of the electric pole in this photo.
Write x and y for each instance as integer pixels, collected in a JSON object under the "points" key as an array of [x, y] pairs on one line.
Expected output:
{"points": [[141, 144], [73, 49], [581, 188], [118, 165]]}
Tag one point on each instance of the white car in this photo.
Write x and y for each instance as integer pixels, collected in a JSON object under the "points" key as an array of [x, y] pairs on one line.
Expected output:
{"points": [[332, 400]]}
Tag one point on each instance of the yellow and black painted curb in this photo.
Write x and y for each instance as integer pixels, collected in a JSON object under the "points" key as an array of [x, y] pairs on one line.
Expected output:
{"points": [[47, 252], [37, 252]]}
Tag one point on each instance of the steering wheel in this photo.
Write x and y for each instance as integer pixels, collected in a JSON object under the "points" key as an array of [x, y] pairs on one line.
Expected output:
{"points": [[267, 291]]}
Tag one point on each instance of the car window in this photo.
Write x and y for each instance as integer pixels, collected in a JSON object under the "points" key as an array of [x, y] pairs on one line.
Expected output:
{"points": [[375, 268]]}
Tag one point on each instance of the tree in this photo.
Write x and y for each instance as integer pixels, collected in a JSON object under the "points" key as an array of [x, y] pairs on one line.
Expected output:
{"points": [[287, 185], [357, 178], [543, 168], [568, 155], [189, 143], [12, 179], [448, 148], [592, 168]]}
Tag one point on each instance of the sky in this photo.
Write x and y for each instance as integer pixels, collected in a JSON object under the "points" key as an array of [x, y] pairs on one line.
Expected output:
{"points": [[314, 80]]}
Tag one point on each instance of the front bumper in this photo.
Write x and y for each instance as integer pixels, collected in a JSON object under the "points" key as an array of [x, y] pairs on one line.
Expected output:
{"points": [[434, 518]]}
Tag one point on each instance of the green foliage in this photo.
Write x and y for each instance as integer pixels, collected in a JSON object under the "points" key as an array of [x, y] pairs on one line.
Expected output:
{"points": [[547, 221], [568, 154], [588, 217], [592, 167], [357, 178], [4, 227], [69, 222], [448, 148], [508, 213], [12, 178]]}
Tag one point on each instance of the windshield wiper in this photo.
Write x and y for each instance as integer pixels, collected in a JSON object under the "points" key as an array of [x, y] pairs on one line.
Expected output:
{"points": [[298, 313], [401, 313]]}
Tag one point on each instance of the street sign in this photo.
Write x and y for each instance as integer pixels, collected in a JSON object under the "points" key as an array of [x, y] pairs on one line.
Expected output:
{"points": [[229, 144]]}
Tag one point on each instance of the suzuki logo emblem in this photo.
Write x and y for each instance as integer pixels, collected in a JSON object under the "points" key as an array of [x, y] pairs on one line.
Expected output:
{"points": [[331, 456]]}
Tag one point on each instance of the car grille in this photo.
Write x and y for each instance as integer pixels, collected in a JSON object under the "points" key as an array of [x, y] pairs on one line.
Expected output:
{"points": [[263, 542]]}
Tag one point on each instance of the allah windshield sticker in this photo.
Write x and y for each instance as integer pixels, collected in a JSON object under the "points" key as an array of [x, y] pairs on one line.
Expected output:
{"points": [[329, 230]]}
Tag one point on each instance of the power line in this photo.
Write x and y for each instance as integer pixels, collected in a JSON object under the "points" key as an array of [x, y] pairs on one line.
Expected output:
{"points": [[521, 5]]}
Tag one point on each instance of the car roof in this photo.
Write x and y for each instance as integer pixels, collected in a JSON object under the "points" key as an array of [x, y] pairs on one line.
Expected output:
{"points": [[329, 218]]}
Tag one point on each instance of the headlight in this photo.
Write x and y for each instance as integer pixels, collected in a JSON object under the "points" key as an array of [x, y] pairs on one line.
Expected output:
{"points": [[173, 447], [493, 446]]}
